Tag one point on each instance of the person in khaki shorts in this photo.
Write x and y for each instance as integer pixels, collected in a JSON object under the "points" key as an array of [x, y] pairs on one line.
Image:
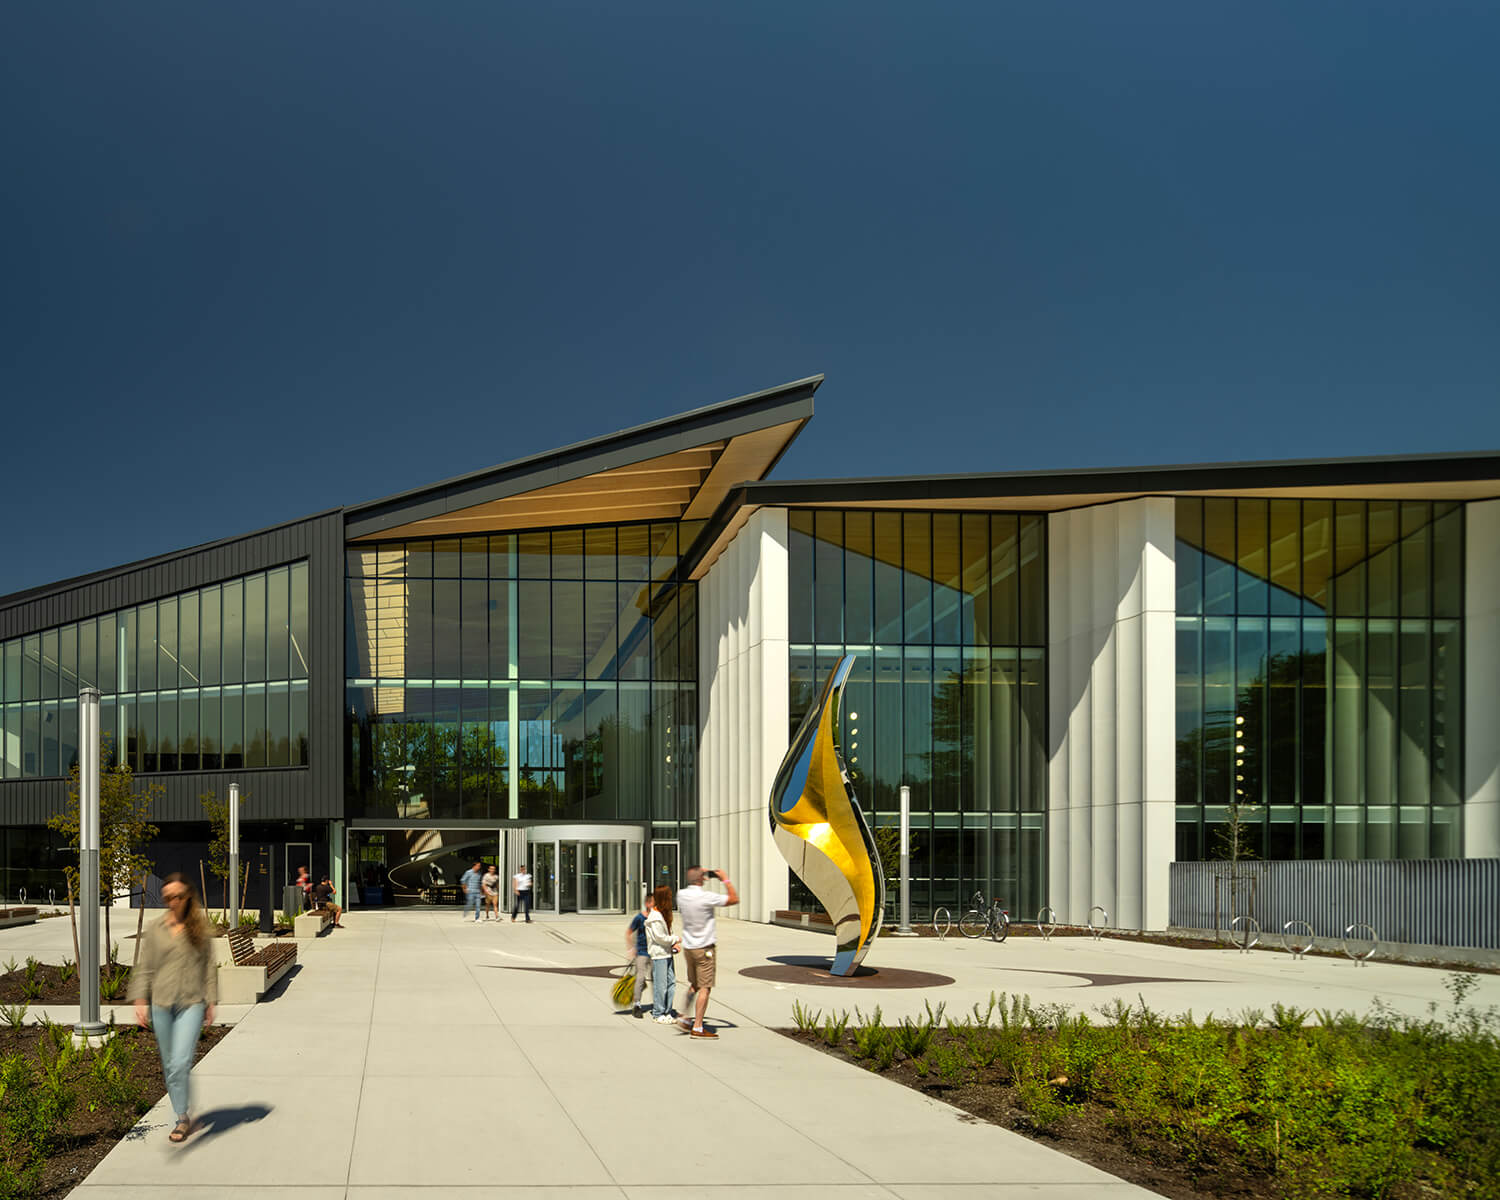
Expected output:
{"points": [[699, 940]]}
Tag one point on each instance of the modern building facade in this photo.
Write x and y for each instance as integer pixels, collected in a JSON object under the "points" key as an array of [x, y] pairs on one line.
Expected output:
{"points": [[591, 661]]}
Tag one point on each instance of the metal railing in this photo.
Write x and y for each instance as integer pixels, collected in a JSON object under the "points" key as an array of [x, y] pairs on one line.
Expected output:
{"points": [[1430, 902]]}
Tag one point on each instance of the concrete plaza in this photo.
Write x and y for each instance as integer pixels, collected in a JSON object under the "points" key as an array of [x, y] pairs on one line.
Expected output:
{"points": [[415, 1049]]}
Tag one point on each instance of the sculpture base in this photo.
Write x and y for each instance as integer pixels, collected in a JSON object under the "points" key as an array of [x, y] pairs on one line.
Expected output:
{"points": [[815, 970]]}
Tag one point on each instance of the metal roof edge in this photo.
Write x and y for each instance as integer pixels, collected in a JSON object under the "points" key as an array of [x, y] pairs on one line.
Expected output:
{"points": [[697, 419]]}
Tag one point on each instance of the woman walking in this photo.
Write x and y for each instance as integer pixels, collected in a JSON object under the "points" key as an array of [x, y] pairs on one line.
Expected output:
{"points": [[174, 985], [661, 946], [490, 885]]}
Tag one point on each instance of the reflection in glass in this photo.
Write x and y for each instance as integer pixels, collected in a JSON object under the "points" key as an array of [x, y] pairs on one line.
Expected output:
{"points": [[938, 714], [1336, 701]]}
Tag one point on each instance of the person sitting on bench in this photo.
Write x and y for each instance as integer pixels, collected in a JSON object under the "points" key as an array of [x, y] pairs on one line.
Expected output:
{"points": [[323, 896]]}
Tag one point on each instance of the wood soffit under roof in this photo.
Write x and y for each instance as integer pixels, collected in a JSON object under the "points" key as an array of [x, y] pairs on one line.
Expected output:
{"points": [[684, 485]]}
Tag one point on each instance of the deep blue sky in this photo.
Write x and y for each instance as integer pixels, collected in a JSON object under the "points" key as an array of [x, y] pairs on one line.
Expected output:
{"points": [[261, 260]]}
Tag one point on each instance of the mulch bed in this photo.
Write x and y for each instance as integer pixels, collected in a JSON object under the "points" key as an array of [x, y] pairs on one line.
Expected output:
{"points": [[89, 1136], [53, 990], [1083, 1134]]}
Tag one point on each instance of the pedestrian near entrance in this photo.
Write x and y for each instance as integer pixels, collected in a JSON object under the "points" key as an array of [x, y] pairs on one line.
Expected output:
{"points": [[491, 887], [635, 939], [696, 904], [661, 946], [473, 884], [323, 896], [174, 984], [520, 887]]}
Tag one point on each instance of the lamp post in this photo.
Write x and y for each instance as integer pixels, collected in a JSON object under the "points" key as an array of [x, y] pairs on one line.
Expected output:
{"points": [[89, 1023], [905, 929], [234, 856]]}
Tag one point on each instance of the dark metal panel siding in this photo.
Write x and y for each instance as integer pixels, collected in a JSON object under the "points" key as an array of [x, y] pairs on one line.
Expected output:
{"points": [[285, 793], [191, 569], [281, 794]]}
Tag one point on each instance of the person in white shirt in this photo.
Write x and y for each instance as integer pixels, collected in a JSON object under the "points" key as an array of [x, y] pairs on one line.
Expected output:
{"points": [[520, 886], [700, 940]]}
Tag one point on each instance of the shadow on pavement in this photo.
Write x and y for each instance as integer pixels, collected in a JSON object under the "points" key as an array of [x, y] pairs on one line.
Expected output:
{"points": [[222, 1120]]}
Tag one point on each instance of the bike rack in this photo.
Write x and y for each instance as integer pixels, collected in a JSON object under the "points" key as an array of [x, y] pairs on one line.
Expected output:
{"points": [[1098, 930], [22, 894], [942, 929], [1251, 935], [1045, 927], [1361, 959], [1300, 947]]}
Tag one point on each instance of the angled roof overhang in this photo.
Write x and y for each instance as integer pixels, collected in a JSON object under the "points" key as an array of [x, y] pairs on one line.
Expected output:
{"points": [[679, 468], [1461, 476]]}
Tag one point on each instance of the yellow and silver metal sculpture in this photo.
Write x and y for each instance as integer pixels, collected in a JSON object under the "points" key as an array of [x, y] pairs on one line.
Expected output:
{"points": [[817, 825]]}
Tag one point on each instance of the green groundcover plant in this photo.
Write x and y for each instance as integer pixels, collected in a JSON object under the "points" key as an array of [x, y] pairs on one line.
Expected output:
{"points": [[1325, 1104], [42, 1090]]}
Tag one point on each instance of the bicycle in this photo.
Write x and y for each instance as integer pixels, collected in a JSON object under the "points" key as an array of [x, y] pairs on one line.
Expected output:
{"points": [[983, 919]]}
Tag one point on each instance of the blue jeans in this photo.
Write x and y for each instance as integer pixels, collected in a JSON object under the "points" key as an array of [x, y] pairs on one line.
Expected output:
{"points": [[177, 1032], [473, 900], [663, 986], [519, 901]]}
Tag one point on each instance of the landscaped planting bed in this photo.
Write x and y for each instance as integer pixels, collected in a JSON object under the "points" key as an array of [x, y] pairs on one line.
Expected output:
{"points": [[1285, 1104], [63, 1109], [33, 982]]}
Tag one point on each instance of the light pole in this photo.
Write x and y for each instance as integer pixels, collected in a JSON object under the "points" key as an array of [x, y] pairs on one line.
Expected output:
{"points": [[89, 1024], [234, 856], [905, 929]]}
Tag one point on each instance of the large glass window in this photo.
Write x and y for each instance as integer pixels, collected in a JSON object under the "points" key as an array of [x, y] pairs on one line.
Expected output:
{"points": [[945, 614], [164, 660], [1317, 663], [585, 634]]}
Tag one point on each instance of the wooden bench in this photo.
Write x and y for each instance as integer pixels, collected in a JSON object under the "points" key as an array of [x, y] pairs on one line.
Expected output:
{"points": [[252, 972], [312, 923], [17, 916]]}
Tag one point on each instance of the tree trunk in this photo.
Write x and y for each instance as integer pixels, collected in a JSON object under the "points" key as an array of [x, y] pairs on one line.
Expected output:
{"points": [[140, 921], [73, 919]]}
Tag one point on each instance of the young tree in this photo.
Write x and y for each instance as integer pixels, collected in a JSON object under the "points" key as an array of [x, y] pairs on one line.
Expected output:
{"points": [[218, 846], [125, 831]]}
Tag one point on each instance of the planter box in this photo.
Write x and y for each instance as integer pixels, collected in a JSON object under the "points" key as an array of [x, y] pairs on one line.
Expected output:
{"points": [[241, 985], [312, 924]]}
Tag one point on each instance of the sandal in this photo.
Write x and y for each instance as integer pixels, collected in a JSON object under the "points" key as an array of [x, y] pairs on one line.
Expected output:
{"points": [[183, 1128]]}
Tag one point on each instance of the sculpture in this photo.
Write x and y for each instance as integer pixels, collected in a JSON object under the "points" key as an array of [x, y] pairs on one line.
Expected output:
{"points": [[817, 825]]}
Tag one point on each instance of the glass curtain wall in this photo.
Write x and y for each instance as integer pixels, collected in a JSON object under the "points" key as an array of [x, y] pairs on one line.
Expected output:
{"points": [[207, 680], [946, 615], [546, 675], [1319, 654]]}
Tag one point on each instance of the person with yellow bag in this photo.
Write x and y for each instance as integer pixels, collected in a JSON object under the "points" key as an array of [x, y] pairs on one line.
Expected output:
{"points": [[638, 956]]}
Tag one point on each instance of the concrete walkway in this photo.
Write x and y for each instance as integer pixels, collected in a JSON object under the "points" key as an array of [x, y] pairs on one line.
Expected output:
{"points": [[413, 1049]]}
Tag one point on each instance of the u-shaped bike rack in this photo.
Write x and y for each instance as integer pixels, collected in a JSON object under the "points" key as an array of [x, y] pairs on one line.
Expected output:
{"points": [[1046, 922], [1297, 937], [1250, 936], [942, 922], [1098, 930], [1350, 932]]}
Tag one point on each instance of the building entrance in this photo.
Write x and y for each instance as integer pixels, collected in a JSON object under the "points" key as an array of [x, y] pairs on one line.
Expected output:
{"points": [[574, 868], [589, 876], [586, 869]]}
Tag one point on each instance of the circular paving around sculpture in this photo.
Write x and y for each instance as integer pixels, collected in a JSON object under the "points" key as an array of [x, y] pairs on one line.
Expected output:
{"points": [[813, 969]]}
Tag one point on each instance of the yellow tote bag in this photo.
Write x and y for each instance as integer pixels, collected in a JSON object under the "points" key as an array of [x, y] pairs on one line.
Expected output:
{"points": [[624, 990]]}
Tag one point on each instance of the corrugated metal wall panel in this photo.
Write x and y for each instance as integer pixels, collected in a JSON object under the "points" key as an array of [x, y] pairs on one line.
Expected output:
{"points": [[1429, 902], [313, 793]]}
